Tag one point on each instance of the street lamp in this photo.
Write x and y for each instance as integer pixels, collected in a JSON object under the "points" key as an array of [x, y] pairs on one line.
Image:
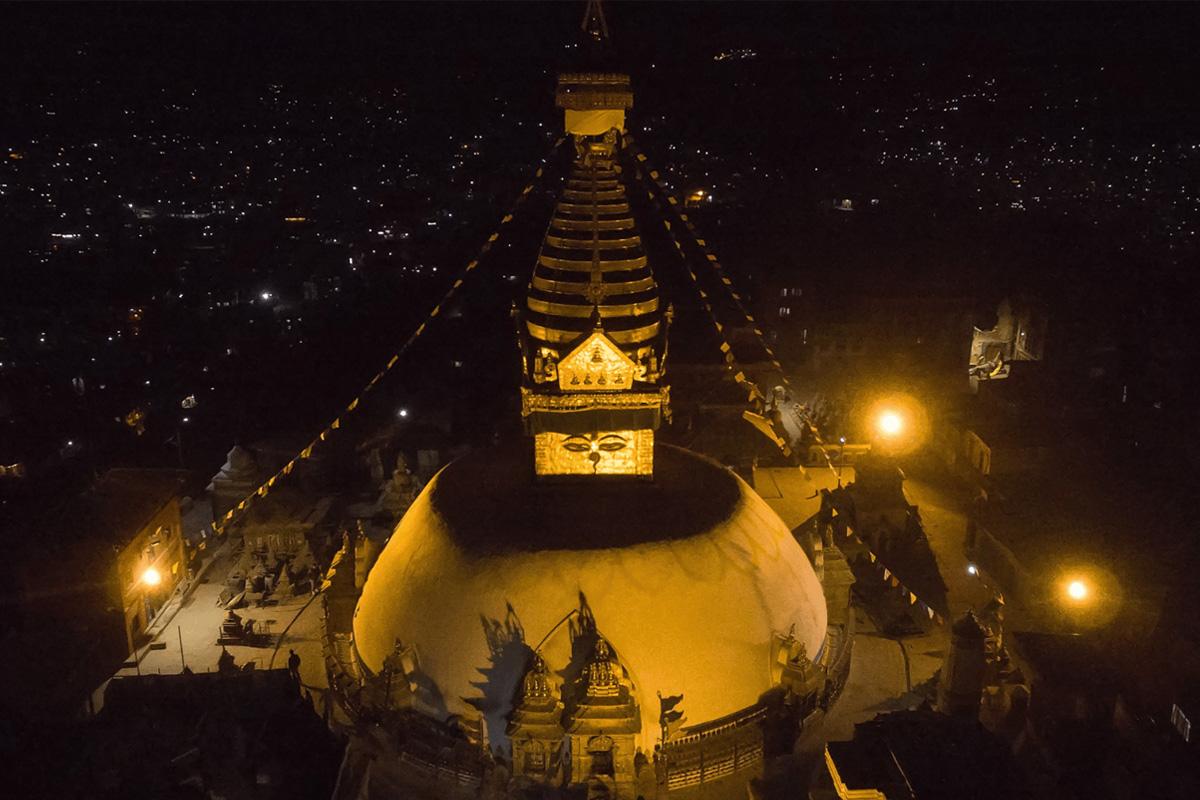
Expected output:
{"points": [[151, 577], [897, 423], [1084, 596], [841, 458], [890, 423], [1077, 590]]}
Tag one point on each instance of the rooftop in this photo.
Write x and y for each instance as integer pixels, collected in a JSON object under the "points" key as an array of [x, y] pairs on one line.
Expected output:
{"points": [[923, 754], [118, 504]]}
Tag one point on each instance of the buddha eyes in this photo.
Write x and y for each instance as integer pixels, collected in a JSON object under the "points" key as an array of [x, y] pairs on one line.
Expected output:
{"points": [[608, 443]]}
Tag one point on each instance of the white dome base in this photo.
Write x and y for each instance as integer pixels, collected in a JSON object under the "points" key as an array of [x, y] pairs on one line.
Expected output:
{"points": [[689, 578]]}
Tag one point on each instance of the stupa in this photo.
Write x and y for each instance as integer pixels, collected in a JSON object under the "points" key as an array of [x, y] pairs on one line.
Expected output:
{"points": [[552, 591]]}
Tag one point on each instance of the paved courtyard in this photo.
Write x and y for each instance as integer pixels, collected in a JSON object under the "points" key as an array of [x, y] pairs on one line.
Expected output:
{"points": [[189, 629]]}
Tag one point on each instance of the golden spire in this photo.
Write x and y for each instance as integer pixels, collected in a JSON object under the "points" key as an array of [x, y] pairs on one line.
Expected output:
{"points": [[594, 332]]}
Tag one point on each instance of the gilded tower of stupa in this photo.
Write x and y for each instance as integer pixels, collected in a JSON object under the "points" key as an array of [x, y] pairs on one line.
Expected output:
{"points": [[594, 332]]}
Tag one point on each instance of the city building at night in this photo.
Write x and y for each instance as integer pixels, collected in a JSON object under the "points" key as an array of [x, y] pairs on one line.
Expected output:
{"points": [[138, 512], [1018, 335], [109, 560]]}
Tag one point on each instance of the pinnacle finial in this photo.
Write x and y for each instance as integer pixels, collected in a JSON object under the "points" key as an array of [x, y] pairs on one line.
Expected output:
{"points": [[594, 23]]}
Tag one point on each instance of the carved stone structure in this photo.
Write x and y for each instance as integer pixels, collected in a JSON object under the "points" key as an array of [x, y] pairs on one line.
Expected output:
{"points": [[238, 477], [603, 722], [961, 685], [399, 491], [535, 726]]}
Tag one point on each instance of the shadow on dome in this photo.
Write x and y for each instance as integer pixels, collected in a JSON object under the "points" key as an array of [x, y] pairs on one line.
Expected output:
{"points": [[492, 504], [508, 658], [582, 634]]}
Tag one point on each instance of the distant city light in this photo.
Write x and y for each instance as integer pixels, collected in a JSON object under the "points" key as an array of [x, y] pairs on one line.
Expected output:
{"points": [[402, 413], [151, 577], [266, 296]]}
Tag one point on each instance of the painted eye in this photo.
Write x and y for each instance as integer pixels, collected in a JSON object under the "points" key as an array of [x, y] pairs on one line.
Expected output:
{"points": [[611, 442], [576, 447]]}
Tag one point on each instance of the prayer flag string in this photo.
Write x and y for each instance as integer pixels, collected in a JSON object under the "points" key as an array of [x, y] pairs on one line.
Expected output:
{"points": [[753, 394], [220, 526], [652, 179], [889, 577]]}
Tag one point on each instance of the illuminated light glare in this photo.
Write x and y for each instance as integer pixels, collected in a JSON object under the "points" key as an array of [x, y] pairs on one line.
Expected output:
{"points": [[972, 569], [151, 577], [890, 423], [1077, 590], [402, 413]]}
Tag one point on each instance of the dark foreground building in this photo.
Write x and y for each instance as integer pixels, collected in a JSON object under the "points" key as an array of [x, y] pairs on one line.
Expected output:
{"points": [[246, 735], [919, 755]]}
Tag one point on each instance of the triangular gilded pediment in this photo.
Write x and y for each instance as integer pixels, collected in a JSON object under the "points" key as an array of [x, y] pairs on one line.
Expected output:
{"points": [[596, 365]]}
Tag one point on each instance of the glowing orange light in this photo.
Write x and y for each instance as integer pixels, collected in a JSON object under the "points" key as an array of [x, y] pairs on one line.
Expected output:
{"points": [[1077, 590], [890, 423], [151, 577]]}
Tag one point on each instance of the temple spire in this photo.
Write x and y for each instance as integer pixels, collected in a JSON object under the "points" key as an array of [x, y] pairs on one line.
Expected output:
{"points": [[594, 24], [594, 332]]}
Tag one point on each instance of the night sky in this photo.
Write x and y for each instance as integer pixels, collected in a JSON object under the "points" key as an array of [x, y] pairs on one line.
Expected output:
{"points": [[833, 100], [230, 44]]}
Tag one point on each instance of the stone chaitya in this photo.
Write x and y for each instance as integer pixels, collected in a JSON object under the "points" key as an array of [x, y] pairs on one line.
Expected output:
{"points": [[590, 739], [535, 726], [603, 722]]}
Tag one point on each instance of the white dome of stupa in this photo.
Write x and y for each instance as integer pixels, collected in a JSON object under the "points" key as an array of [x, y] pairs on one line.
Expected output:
{"points": [[691, 578]]}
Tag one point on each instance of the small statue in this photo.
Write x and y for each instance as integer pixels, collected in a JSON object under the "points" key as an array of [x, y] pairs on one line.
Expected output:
{"points": [[231, 627]]}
